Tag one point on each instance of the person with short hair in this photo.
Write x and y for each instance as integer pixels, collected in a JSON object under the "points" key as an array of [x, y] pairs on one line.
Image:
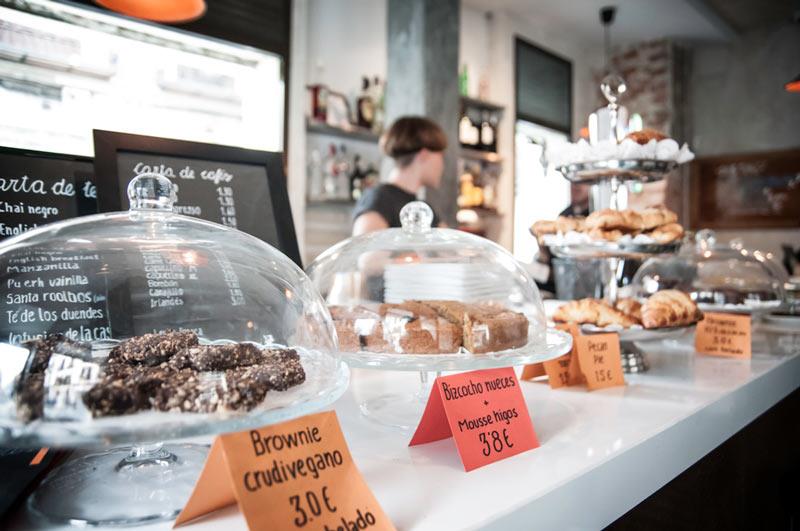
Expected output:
{"points": [[416, 145]]}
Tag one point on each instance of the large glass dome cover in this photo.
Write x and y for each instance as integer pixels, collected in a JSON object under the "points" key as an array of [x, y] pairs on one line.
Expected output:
{"points": [[365, 278], [108, 277], [718, 276]]}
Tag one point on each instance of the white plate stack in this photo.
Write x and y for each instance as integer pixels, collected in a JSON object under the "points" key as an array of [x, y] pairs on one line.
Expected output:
{"points": [[433, 281]]}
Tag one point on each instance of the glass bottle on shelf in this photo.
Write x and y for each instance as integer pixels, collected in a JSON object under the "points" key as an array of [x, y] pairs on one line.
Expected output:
{"points": [[487, 133], [366, 105], [463, 81], [356, 178], [315, 176], [330, 170], [343, 176], [378, 93]]}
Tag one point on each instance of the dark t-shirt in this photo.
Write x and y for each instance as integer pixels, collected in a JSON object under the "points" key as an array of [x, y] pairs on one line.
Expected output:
{"points": [[387, 200]]}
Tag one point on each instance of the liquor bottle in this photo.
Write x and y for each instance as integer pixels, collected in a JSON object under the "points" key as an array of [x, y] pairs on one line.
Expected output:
{"points": [[378, 94], [487, 133], [365, 105], [463, 81], [343, 175], [356, 179], [316, 185], [330, 171]]}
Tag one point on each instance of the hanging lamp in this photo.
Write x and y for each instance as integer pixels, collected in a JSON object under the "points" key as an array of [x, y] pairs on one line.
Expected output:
{"points": [[168, 11]]}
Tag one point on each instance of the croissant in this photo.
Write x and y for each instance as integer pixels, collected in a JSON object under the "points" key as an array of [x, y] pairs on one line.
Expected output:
{"points": [[606, 218], [592, 311], [630, 307], [669, 308], [667, 233], [540, 228], [653, 217]]}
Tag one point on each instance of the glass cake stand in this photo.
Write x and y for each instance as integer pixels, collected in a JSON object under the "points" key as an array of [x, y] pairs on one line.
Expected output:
{"points": [[151, 481], [122, 275], [403, 410], [621, 170]]}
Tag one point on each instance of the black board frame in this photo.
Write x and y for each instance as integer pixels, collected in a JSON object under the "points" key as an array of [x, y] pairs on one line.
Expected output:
{"points": [[108, 143], [520, 42]]}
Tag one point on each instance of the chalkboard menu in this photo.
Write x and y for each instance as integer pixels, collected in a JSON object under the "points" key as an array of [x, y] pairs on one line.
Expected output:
{"points": [[240, 188], [47, 290], [38, 188]]}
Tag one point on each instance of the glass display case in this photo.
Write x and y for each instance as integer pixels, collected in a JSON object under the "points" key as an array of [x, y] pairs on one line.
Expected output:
{"points": [[425, 299], [718, 276], [145, 326]]}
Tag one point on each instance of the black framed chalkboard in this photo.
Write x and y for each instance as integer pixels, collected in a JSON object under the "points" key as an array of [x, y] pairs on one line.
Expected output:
{"points": [[543, 86], [237, 187], [37, 188]]}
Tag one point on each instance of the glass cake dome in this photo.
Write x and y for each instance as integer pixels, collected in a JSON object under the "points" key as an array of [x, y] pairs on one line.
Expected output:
{"points": [[719, 277], [423, 298], [147, 325]]}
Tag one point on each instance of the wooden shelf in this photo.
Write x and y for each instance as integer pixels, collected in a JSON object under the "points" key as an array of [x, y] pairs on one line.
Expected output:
{"points": [[330, 202], [481, 104], [356, 133], [476, 154]]}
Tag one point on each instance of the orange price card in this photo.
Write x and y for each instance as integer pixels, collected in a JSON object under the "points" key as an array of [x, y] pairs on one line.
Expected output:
{"points": [[724, 334], [562, 371], [484, 411], [600, 361], [295, 475]]}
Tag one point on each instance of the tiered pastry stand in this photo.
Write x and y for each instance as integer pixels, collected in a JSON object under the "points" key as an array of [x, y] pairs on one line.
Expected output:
{"points": [[615, 173], [151, 481], [404, 410]]}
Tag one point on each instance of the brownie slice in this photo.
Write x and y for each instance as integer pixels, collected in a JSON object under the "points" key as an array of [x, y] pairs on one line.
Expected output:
{"points": [[217, 357], [152, 349], [248, 386], [30, 386]]}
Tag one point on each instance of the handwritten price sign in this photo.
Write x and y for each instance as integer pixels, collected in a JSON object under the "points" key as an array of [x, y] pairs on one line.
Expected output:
{"points": [[600, 360], [484, 411], [295, 475], [721, 334]]}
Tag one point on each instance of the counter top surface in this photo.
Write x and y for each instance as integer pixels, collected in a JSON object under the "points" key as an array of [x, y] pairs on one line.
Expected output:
{"points": [[601, 452]]}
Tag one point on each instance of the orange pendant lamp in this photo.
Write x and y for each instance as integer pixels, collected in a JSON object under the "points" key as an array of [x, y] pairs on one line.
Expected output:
{"points": [[793, 85], [169, 11]]}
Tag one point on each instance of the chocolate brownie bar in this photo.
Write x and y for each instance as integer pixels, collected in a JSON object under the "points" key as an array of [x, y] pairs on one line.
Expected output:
{"points": [[30, 386], [217, 357], [247, 386], [152, 349]]}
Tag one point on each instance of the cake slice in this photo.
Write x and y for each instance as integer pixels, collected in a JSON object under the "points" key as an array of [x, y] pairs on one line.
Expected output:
{"points": [[414, 328], [484, 327]]}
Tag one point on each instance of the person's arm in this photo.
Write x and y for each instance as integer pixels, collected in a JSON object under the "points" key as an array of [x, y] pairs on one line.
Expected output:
{"points": [[368, 222]]}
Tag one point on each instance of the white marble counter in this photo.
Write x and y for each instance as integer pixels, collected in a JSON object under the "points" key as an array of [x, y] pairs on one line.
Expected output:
{"points": [[601, 453]]}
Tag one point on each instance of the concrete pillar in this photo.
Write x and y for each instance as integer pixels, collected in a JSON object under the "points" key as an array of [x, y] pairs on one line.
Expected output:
{"points": [[422, 79]]}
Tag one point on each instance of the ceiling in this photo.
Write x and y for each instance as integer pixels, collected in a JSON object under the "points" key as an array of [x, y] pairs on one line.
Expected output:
{"points": [[638, 20]]}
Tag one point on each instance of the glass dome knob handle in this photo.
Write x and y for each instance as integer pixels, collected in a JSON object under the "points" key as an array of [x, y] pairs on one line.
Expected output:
{"points": [[151, 191], [613, 87], [705, 238], [416, 216]]}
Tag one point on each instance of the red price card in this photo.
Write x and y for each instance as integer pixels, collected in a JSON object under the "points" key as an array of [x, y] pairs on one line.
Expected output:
{"points": [[295, 475], [724, 334], [484, 411], [600, 360]]}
